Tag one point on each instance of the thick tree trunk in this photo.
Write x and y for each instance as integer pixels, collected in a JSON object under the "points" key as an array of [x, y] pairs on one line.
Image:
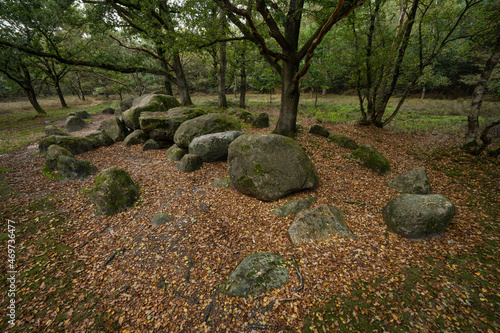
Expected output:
{"points": [[181, 81], [477, 99], [60, 94], [222, 64], [168, 87], [243, 86], [290, 94], [34, 102]]}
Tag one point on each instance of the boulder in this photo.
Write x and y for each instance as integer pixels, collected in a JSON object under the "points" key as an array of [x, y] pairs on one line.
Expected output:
{"points": [[100, 139], [207, 124], [114, 128], [412, 182], [114, 191], [213, 147], [261, 121], [174, 153], [53, 130], [246, 116], [161, 218], [82, 114], [257, 273], [126, 103], [418, 216], [53, 153], [223, 182], [74, 124], [189, 163], [108, 111], [293, 206], [151, 145], [370, 158], [76, 145], [269, 166], [163, 125], [318, 224], [342, 141], [72, 168], [319, 130], [137, 137], [147, 103]]}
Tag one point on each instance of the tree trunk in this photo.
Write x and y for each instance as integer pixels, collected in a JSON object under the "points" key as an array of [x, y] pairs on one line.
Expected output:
{"points": [[30, 91], [105, 88], [181, 81], [422, 95], [222, 64], [290, 94], [80, 86], [168, 87], [243, 85], [477, 99], [60, 94]]}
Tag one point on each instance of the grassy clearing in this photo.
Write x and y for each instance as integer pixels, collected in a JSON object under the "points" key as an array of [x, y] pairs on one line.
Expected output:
{"points": [[458, 294], [20, 125]]}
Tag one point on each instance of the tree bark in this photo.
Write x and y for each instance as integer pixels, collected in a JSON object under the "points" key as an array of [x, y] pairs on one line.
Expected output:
{"points": [[243, 85], [168, 87], [290, 95], [59, 93], [222, 63], [30, 91], [470, 141], [80, 86], [181, 81]]}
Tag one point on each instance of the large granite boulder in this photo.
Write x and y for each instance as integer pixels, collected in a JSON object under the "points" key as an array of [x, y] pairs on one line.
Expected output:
{"points": [[418, 216], [53, 153], [74, 124], [293, 206], [137, 137], [82, 114], [261, 121], [370, 158], [100, 139], [412, 182], [72, 168], [189, 163], [147, 103], [163, 125], [53, 130], [76, 145], [174, 153], [213, 147], [151, 145], [319, 130], [318, 224], [108, 111], [257, 273], [207, 124], [114, 128], [126, 103], [342, 141], [269, 166], [114, 191]]}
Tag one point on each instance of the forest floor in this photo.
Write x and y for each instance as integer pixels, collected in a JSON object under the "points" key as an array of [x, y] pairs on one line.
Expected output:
{"points": [[77, 271]]}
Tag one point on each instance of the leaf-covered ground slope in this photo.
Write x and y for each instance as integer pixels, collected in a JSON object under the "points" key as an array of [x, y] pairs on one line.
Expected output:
{"points": [[79, 271]]}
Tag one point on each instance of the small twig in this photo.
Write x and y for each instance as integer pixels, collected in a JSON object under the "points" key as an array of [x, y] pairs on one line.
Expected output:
{"points": [[211, 306], [301, 279], [263, 327], [113, 256], [287, 299]]}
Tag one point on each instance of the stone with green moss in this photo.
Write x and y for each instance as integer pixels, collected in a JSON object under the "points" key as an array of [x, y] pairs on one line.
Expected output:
{"points": [[53, 130], [147, 103], [74, 124], [412, 182], [269, 166], [189, 163], [76, 145], [207, 124], [293, 206], [174, 153], [114, 191], [114, 128], [257, 273], [72, 168], [418, 216], [213, 147], [100, 139], [370, 158], [319, 130], [53, 154], [137, 137], [151, 145], [342, 141], [261, 121]]}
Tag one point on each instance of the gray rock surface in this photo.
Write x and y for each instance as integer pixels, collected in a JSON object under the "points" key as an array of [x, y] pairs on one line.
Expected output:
{"points": [[100, 139], [257, 273], [137, 137], [76, 145], [53, 153], [319, 130], [207, 124], [114, 191], [82, 114], [163, 125], [213, 147], [53, 130], [293, 206], [223, 182], [147, 103], [418, 216], [318, 224], [189, 163], [108, 111], [126, 103], [370, 158], [261, 121], [412, 182], [269, 166], [342, 141], [174, 153], [114, 128], [74, 124], [72, 168], [151, 145]]}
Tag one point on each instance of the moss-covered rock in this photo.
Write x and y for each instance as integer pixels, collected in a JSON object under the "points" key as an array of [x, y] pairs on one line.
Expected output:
{"points": [[342, 141], [74, 124], [318, 224], [76, 145], [53, 153], [72, 168], [114, 128], [417, 216], [151, 145], [269, 166], [53, 130], [293, 206], [257, 273], [189, 163], [147, 103], [261, 121], [100, 139], [137, 137], [213, 147], [246, 116], [174, 153], [319, 130], [126, 103], [114, 191], [82, 114], [412, 182], [223, 182], [161, 219], [207, 124], [370, 158]]}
